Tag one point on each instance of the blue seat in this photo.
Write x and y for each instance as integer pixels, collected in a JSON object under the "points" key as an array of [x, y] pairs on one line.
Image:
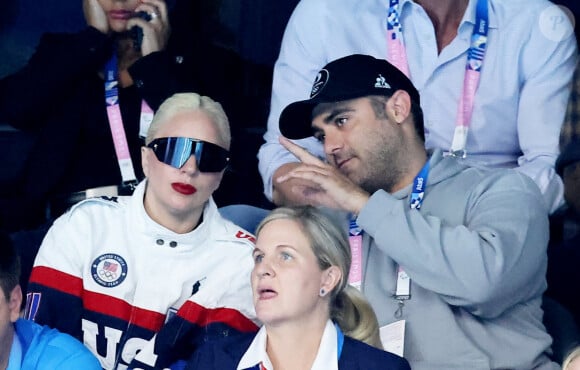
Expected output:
{"points": [[244, 215]]}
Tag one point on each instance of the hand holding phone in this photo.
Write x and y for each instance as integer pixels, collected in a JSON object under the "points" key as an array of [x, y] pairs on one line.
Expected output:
{"points": [[137, 32], [149, 26]]}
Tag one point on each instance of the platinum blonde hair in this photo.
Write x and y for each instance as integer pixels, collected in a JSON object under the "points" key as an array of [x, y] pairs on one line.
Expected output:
{"points": [[190, 102], [329, 242]]}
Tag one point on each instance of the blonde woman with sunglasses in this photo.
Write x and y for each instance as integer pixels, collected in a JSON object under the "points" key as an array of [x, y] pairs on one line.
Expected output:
{"points": [[158, 272]]}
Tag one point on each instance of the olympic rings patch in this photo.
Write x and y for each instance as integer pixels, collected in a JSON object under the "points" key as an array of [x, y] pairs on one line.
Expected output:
{"points": [[109, 270]]}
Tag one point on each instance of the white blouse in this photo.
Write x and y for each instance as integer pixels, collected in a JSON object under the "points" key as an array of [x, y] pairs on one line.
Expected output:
{"points": [[326, 358]]}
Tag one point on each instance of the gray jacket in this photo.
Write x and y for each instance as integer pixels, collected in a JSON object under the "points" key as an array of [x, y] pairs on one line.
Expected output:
{"points": [[476, 254]]}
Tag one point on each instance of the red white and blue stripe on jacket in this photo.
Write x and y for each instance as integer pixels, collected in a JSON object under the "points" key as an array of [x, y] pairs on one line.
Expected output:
{"points": [[136, 294]]}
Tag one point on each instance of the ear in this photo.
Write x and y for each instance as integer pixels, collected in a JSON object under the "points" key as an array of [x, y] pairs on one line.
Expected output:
{"points": [[145, 152], [14, 303], [399, 106], [330, 278]]}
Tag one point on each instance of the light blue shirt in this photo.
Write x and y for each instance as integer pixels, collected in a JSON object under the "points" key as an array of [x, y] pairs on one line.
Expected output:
{"points": [[15, 359], [37, 347], [519, 105]]}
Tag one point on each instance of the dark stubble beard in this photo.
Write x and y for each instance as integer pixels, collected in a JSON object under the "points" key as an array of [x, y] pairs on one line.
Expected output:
{"points": [[385, 163]]}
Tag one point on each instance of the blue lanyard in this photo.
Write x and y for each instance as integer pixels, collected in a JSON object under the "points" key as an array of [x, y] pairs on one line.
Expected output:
{"points": [[339, 340], [111, 89], [116, 123], [479, 36], [419, 185], [403, 284], [353, 228]]}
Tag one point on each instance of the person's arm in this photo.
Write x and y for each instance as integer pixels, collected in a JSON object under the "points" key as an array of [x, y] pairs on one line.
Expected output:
{"points": [[61, 61], [492, 260], [571, 127], [55, 289], [548, 69], [301, 57]]}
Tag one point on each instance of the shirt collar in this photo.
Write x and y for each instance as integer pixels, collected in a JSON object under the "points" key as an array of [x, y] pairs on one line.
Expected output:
{"points": [[256, 352], [326, 358], [468, 17], [150, 227]]}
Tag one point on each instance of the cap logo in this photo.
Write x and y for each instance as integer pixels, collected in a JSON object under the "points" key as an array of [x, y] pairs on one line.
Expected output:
{"points": [[319, 82], [381, 83]]}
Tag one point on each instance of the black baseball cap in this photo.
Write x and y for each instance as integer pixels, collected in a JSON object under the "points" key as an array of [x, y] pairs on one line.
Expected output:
{"points": [[347, 78]]}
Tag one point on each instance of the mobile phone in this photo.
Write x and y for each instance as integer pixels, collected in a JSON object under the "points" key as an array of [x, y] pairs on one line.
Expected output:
{"points": [[136, 31], [143, 15]]}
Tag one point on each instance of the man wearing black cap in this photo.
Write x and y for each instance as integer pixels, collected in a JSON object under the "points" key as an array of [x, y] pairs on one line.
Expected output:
{"points": [[450, 257], [518, 105]]}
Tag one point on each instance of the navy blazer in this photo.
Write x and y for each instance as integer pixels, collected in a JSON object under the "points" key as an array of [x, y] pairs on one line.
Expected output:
{"points": [[226, 354]]}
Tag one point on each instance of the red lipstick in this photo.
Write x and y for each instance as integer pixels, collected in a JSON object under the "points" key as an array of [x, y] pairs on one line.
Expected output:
{"points": [[182, 188]]}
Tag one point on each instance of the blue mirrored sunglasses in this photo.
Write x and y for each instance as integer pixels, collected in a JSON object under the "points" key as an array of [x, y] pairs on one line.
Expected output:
{"points": [[175, 151]]}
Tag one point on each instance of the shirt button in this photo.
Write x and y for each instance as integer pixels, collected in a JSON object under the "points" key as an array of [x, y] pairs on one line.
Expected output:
{"points": [[173, 244], [179, 59], [160, 242], [139, 83]]}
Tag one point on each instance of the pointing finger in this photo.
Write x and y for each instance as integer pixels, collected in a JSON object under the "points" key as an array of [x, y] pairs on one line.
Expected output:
{"points": [[302, 154]]}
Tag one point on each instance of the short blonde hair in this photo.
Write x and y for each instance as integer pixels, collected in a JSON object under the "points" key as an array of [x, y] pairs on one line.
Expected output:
{"points": [[190, 102]]}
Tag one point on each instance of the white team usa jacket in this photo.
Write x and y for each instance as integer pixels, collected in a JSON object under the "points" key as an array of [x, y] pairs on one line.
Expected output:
{"points": [[112, 277]]}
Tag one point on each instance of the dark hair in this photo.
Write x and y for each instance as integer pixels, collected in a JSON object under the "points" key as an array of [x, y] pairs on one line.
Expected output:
{"points": [[9, 265]]}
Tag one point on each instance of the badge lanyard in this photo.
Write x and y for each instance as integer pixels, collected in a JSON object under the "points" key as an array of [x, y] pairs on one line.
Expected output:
{"points": [[116, 122], [475, 56], [403, 285], [355, 241]]}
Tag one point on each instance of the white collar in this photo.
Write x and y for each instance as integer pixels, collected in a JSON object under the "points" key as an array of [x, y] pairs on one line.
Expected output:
{"points": [[468, 17], [326, 358], [151, 227]]}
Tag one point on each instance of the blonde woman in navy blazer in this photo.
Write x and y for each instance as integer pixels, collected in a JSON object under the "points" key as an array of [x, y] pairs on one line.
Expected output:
{"points": [[312, 318]]}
